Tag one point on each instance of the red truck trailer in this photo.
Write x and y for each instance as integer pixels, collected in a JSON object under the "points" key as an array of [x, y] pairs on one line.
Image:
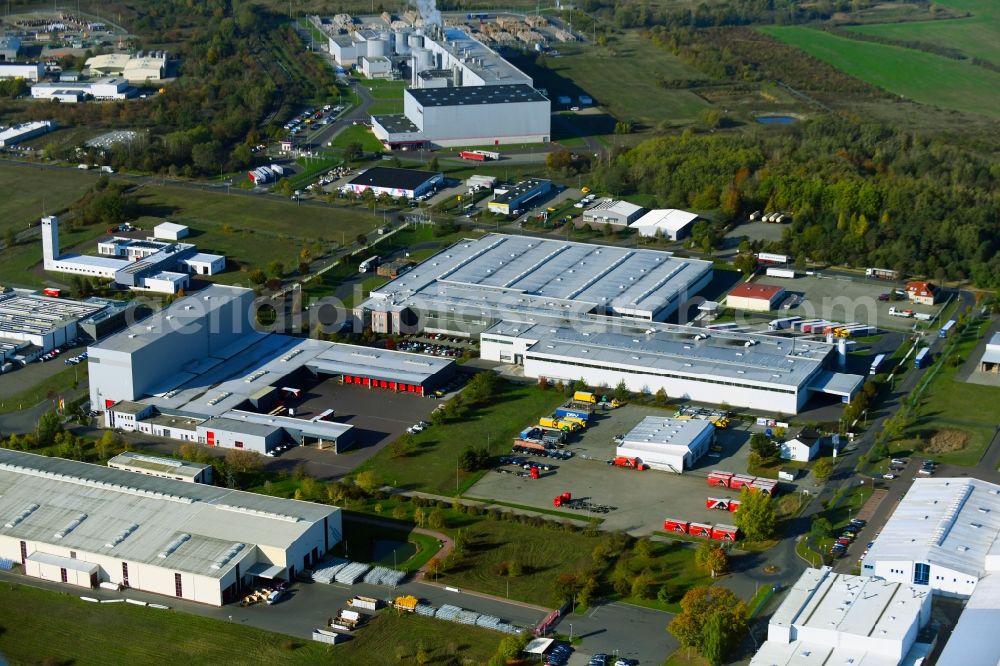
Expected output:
{"points": [[675, 525], [469, 155], [720, 503], [629, 463], [725, 532], [766, 486], [720, 478], [700, 529], [740, 480]]}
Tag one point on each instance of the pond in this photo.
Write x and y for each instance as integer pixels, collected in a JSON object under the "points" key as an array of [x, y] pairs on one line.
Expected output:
{"points": [[776, 120], [383, 549]]}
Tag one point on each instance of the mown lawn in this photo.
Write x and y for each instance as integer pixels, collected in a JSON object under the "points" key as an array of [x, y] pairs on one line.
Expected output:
{"points": [[977, 36], [916, 75], [29, 192], [40, 626], [672, 566], [360, 134], [951, 404], [433, 466]]}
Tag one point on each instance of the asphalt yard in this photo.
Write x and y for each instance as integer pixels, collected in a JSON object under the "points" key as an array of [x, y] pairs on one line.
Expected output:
{"points": [[642, 499]]}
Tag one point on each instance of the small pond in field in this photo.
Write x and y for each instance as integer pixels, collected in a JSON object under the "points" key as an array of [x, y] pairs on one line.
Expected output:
{"points": [[776, 120]]}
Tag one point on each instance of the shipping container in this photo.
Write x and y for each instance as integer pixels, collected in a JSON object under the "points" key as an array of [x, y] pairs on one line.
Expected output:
{"points": [[923, 358], [740, 480], [942, 333], [50, 291], [719, 478], [720, 503], [570, 413], [725, 532], [585, 396], [674, 525], [780, 272], [700, 529]]}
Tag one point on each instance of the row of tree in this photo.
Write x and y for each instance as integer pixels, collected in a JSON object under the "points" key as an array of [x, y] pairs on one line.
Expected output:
{"points": [[860, 193]]}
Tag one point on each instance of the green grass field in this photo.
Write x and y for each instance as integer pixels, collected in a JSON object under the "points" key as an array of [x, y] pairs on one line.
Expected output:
{"points": [[916, 75], [671, 564], [252, 231], [432, 466], [621, 78], [28, 192], [951, 404], [61, 629], [359, 134], [977, 36]]}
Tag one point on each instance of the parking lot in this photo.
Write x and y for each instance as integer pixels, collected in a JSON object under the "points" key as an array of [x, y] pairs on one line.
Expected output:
{"points": [[845, 300], [642, 498], [378, 415]]}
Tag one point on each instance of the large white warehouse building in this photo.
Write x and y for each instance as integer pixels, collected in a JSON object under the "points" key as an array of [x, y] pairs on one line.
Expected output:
{"points": [[473, 284], [828, 618], [198, 371], [944, 535], [83, 524], [772, 374]]}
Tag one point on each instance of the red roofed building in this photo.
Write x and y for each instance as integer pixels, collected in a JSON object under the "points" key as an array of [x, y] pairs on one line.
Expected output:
{"points": [[921, 293], [755, 296]]}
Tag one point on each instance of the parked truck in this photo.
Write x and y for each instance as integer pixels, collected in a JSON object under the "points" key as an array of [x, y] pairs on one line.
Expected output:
{"points": [[569, 412], [565, 426], [626, 462]]}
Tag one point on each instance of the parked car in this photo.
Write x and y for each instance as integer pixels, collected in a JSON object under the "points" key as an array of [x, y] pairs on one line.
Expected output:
{"points": [[889, 476], [858, 522], [926, 471], [898, 461]]}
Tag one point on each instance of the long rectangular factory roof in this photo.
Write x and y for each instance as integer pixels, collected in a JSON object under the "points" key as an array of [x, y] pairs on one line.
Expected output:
{"points": [[682, 350], [472, 95], [22, 314], [142, 518], [519, 274]]}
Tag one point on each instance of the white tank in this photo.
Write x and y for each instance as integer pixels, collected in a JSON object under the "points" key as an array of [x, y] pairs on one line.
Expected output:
{"points": [[401, 46], [416, 41], [377, 48]]}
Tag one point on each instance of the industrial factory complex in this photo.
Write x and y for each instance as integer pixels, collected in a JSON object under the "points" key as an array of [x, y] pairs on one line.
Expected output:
{"points": [[197, 371], [149, 265], [565, 310], [461, 91], [82, 525]]}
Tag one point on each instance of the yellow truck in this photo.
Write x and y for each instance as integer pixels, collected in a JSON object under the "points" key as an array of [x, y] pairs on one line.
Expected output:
{"points": [[585, 396], [574, 419], [566, 426]]}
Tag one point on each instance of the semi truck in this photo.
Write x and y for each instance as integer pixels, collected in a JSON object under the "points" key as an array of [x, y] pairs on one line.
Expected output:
{"points": [[568, 412], [900, 312], [565, 426], [882, 273], [626, 462]]}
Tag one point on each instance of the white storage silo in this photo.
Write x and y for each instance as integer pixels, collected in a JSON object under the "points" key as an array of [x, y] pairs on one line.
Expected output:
{"points": [[416, 41], [377, 48], [401, 46]]}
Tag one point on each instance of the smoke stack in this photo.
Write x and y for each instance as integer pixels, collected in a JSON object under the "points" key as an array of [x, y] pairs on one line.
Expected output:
{"points": [[50, 241]]}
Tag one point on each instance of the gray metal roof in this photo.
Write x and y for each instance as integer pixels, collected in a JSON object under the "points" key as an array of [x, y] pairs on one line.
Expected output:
{"points": [[396, 123], [473, 95], [238, 425], [524, 187], [974, 640], [31, 314], [948, 522], [476, 57], [158, 464], [178, 316], [525, 275], [136, 517], [767, 361], [658, 433]]}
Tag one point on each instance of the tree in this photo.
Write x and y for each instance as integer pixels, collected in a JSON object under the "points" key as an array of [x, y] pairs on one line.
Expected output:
{"points": [[435, 566], [10, 238], [621, 391], [367, 481], [764, 446], [108, 442], [712, 620], [823, 469], [399, 513], [755, 517], [660, 397], [243, 461], [403, 446], [482, 387], [436, 519], [718, 561], [276, 269], [433, 164], [49, 426], [820, 528], [353, 151], [565, 586]]}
